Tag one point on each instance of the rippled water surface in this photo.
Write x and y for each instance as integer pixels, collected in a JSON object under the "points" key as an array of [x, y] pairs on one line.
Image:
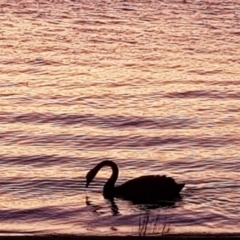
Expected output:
{"points": [[152, 85]]}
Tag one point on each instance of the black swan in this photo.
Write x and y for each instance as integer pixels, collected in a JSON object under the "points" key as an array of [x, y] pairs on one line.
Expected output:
{"points": [[145, 188]]}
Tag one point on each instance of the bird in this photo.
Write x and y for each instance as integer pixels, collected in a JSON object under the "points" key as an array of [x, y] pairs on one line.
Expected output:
{"points": [[144, 189]]}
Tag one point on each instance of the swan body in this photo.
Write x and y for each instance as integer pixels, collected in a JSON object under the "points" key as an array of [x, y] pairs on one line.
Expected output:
{"points": [[145, 188]]}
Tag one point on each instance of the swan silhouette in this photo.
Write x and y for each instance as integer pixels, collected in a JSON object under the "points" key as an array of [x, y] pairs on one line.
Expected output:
{"points": [[141, 189]]}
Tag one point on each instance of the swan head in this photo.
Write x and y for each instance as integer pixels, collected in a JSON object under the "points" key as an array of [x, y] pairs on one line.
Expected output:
{"points": [[90, 176]]}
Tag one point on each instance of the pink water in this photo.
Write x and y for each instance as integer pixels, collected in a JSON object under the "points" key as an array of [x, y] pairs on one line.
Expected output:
{"points": [[152, 85]]}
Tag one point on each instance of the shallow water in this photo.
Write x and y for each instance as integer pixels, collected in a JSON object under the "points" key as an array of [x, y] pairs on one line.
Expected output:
{"points": [[152, 85]]}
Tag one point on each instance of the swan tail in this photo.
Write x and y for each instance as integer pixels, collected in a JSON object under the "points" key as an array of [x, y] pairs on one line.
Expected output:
{"points": [[180, 186]]}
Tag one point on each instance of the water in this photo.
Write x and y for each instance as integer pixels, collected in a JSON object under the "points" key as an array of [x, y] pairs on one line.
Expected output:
{"points": [[152, 85]]}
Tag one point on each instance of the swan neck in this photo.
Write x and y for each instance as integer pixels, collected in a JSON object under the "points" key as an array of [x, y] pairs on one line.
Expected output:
{"points": [[108, 189], [114, 168], [114, 175]]}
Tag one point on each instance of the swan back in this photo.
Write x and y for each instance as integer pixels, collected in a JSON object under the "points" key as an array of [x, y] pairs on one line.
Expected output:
{"points": [[149, 187]]}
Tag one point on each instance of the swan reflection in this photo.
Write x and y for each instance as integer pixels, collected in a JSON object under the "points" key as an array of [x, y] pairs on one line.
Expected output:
{"points": [[96, 208]]}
